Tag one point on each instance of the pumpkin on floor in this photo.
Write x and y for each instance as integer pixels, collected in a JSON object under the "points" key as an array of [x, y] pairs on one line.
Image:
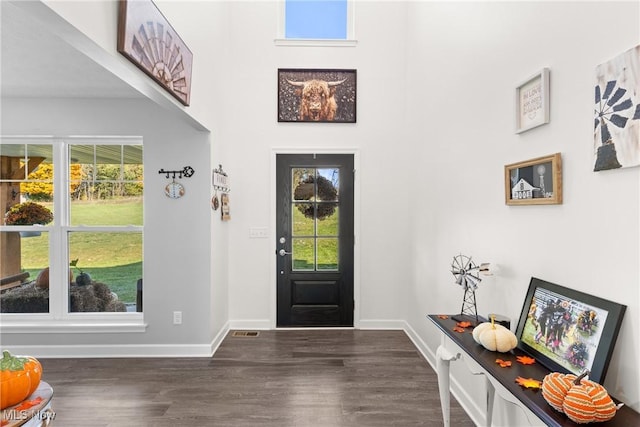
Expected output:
{"points": [[494, 337], [583, 401]]}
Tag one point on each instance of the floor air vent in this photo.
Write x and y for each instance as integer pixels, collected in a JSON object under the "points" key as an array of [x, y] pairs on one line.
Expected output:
{"points": [[245, 334]]}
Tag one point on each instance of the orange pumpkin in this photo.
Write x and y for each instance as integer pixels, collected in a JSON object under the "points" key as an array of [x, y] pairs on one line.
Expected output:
{"points": [[19, 378], [583, 401]]}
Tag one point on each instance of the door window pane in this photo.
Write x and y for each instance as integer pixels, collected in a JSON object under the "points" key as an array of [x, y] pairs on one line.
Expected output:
{"points": [[329, 225], [327, 254], [302, 217], [25, 258], [304, 254], [106, 268]]}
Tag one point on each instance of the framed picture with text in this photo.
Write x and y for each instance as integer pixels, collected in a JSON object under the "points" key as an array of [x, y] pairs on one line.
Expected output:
{"points": [[532, 102]]}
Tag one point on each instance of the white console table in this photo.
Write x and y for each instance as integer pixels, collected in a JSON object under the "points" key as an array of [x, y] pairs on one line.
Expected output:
{"points": [[501, 381]]}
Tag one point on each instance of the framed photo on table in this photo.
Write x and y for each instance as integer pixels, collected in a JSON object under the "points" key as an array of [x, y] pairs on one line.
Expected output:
{"points": [[532, 102], [567, 330]]}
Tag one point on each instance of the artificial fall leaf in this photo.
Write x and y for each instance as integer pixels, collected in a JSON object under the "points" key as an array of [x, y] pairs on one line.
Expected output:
{"points": [[456, 329], [503, 363], [28, 404], [528, 382], [443, 316], [526, 360], [464, 324]]}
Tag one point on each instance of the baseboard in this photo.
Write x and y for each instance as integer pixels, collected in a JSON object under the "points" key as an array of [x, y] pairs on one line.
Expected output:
{"points": [[459, 392], [260, 324], [382, 324], [113, 351]]}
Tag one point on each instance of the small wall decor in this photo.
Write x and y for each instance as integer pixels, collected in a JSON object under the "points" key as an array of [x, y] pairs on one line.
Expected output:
{"points": [[220, 181], [225, 214], [532, 102], [534, 182], [147, 39], [316, 95], [175, 190], [567, 330], [617, 112]]}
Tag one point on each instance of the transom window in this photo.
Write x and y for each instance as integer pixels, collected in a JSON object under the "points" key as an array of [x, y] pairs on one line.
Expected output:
{"points": [[319, 21], [86, 258]]}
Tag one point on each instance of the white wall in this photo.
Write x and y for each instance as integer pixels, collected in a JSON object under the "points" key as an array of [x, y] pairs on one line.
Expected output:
{"points": [[177, 254], [436, 84], [468, 59]]}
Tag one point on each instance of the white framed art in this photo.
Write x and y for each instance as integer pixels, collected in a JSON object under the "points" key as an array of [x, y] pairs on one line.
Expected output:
{"points": [[532, 102]]}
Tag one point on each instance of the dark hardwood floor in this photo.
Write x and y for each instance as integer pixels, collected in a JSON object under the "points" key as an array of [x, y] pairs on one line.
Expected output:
{"points": [[280, 378]]}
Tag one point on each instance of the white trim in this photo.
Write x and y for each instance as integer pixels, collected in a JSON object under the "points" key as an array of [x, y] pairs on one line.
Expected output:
{"points": [[120, 323], [125, 350], [356, 224], [260, 324], [316, 42], [383, 324]]}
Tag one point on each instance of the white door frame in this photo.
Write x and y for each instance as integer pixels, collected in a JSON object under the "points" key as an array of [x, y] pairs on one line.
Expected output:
{"points": [[356, 226]]}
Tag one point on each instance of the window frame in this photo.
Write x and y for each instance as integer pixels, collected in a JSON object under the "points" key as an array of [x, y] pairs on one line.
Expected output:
{"points": [[350, 41], [59, 319]]}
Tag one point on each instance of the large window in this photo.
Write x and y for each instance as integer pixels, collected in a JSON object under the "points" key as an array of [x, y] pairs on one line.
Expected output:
{"points": [[71, 230]]}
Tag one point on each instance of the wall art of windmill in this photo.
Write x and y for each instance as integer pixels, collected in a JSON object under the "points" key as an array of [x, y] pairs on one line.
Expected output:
{"points": [[617, 112]]}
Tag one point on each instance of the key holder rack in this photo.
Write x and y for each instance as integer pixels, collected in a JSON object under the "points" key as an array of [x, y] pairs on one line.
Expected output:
{"points": [[187, 172]]}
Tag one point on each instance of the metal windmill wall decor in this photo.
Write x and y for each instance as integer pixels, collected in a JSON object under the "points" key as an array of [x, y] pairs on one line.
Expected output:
{"points": [[467, 274]]}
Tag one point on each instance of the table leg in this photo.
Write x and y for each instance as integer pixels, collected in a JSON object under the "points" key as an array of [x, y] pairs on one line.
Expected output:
{"points": [[443, 359], [491, 394]]}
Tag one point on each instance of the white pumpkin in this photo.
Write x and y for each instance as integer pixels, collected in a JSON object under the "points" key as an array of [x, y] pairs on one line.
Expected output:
{"points": [[494, 337]]}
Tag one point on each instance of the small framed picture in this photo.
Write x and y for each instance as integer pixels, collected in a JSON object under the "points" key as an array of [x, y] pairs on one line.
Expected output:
{"points": [[567, 330], [316, 95], [532, 102], [534, 182]]}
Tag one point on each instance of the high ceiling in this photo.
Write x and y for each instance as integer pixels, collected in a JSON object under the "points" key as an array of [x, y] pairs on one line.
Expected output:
{"points": [[36, 63]]}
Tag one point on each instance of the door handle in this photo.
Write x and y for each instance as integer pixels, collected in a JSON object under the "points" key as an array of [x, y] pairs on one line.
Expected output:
{"points": [[282, 252]]}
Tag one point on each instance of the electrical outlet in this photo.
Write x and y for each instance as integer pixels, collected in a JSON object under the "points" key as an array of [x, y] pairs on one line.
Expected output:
{"points": [[177, 318]]}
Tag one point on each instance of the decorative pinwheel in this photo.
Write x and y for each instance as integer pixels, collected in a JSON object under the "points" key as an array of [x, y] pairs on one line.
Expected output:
{"points": [[611, 107], [467, 276]]}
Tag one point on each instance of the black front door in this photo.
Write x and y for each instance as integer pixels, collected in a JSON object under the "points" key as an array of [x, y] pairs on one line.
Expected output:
{"points": [[314, 239]]}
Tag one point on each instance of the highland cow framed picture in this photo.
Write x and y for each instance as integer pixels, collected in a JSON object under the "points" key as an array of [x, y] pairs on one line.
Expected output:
{"points": [[147, 39], [567, 330], [316, 95], [534, 182]]}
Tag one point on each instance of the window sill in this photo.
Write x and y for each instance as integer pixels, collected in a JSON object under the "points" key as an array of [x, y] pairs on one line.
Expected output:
{"points": [[132, 324], [316, 42]]}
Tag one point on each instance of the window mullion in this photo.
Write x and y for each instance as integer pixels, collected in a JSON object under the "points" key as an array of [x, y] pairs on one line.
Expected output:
{"points": [[58, 292]]}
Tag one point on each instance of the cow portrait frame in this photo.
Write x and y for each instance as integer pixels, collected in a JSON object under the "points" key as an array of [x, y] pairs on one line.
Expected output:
{"points": [[534, 182], [329, 95]]}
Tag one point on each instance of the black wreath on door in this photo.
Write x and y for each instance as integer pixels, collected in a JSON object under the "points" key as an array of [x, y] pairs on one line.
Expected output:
{"points": [[326, 192]]}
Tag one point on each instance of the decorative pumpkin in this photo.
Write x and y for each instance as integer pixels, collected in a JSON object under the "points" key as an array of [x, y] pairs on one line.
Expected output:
{"points": [[494, 337], [583, 401], [19, 378]]}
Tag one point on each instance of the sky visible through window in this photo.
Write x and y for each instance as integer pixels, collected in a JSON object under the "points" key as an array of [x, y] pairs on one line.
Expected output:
{"points": [[316, 19]]}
